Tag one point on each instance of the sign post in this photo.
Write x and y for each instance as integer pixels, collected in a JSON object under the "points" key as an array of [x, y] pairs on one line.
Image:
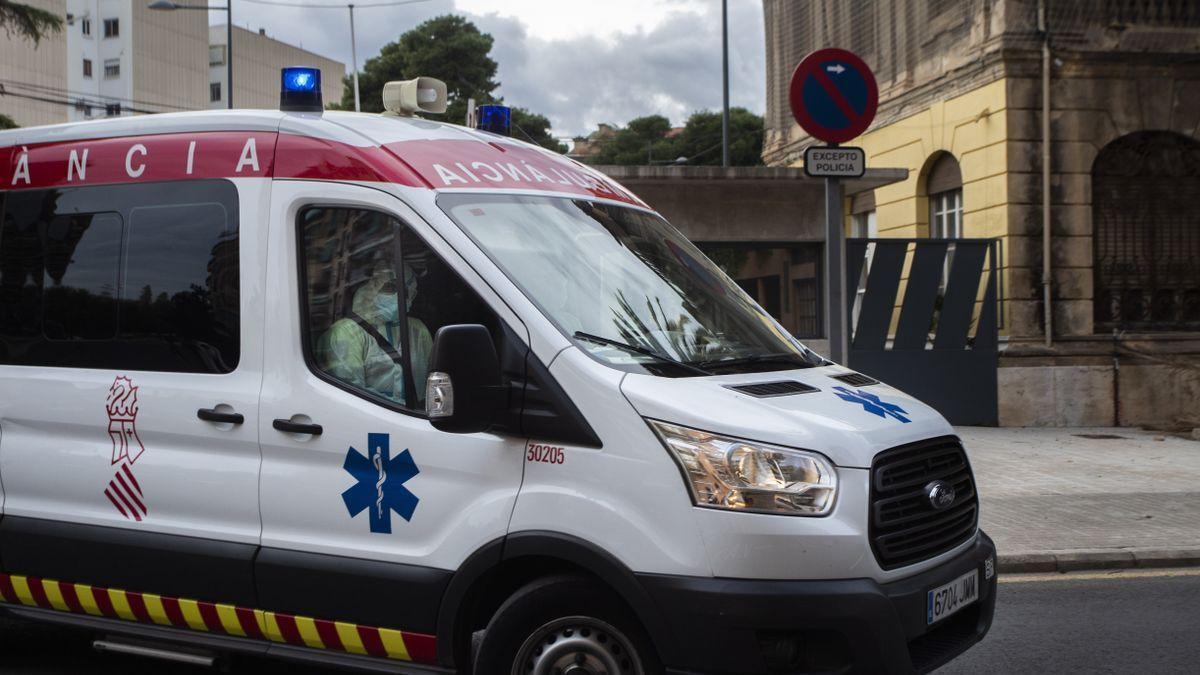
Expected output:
{"points": [[833, 97]]}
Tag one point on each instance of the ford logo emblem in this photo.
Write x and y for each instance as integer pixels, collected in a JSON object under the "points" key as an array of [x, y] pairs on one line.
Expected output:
{"points": [[940, 494]]}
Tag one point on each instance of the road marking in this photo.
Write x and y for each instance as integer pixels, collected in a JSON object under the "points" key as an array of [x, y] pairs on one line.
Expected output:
{"points": [[1088, 576]]}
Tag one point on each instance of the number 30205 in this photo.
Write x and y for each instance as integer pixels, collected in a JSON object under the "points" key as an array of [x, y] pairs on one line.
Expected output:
{"points": [[545, 453]]}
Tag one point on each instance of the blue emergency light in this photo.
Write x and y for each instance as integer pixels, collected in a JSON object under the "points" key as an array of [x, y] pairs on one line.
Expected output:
{"points": [[300, 90], [494, 118]]}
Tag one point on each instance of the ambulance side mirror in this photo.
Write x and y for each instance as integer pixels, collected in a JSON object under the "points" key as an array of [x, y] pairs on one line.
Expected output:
{"points": [[464, 386]]}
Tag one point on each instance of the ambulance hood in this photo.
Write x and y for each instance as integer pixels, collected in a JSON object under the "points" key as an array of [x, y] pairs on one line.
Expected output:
{"points": [[847, 424]]}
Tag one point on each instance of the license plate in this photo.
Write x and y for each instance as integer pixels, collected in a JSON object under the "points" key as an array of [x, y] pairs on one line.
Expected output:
{"points": [[945, 600]]}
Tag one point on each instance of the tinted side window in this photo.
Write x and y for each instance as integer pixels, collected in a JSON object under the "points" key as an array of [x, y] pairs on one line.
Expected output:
{"points": [[131, 277], [365, 275], [82, 254], [181, 286]]}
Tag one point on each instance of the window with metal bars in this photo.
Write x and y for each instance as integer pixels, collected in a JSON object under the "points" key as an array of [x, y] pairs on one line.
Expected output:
{"points": [[1145, 187]]}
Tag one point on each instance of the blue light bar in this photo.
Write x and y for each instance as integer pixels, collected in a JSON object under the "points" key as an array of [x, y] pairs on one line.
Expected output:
{"points": [[494, 118], [300, 90]]}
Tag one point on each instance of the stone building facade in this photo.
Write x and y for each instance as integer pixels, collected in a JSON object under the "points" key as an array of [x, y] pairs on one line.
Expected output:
{"points": [[961, 100]]}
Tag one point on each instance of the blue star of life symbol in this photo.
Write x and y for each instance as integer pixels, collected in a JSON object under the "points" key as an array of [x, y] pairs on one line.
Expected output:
{"points": [[872, 404], [380, 485]]}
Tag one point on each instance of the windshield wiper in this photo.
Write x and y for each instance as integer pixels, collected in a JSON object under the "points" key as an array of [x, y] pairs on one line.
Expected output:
{"points": [[779, 357], [580, 335]]}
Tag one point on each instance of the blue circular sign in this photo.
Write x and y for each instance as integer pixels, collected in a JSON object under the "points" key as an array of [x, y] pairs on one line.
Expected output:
{"points": [[833, 95]]}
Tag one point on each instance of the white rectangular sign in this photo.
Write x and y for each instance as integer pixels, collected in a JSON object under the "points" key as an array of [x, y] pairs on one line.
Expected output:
{"points": [[825, 162]]}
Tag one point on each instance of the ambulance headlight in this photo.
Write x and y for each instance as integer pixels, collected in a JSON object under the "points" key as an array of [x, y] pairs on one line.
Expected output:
{"points": [[730, 473]]}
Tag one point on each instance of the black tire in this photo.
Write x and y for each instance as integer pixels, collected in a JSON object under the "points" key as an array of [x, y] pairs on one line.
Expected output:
{"points": [[573, 615]]}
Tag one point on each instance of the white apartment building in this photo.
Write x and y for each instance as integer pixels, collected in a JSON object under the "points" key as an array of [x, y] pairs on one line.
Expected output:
{"points": [[118, 57], [123, 58], [257, 60]]}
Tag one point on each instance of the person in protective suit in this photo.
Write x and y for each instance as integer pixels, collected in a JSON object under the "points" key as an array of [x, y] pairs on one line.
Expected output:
{"points": [[365, 350]]}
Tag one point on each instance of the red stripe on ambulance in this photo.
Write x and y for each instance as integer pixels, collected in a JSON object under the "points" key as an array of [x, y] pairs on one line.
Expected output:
{"points": [[138, 159], [504, 166], [435, 164], [310, 158]]}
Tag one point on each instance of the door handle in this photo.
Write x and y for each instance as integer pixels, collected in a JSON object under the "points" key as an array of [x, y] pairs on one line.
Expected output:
{"points": [[211, 415], [297, 428]]}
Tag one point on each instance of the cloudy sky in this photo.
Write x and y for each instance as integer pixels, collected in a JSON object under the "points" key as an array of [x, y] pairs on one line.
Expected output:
{"points": [[579, 62]]}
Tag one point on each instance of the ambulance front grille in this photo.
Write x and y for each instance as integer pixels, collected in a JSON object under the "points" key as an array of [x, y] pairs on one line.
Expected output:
{"points": [[905, 528]]}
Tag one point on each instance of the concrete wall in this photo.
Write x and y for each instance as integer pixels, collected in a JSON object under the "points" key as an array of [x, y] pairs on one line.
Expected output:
{"points": [[740, 204], [170, 58], [40, 72], [1132, 394], [257, 60]]}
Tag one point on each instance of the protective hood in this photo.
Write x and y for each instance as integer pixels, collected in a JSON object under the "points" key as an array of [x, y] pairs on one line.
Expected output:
{"points": [[366, 299], [847, 424]]}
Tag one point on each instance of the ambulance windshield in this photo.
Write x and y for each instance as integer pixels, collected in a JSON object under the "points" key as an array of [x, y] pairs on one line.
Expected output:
{"points": [[626, 286]]}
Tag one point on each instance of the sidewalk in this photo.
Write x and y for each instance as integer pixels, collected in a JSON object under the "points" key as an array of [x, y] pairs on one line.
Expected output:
{"points": [[1056, 501]]}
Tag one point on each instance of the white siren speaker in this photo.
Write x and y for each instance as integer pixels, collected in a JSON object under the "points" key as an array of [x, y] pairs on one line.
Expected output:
{"points": [[419, 95]]}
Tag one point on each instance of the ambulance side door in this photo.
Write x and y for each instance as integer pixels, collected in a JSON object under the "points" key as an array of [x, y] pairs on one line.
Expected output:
{"points": [[366, 507], [130, 367]]}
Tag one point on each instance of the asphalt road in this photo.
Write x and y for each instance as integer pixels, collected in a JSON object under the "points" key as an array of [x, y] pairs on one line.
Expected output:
{"points": [[1119, 622], [1145, 621]]}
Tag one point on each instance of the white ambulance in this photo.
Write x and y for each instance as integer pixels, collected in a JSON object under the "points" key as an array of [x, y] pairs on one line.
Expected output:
{"points": [[379, 392]]}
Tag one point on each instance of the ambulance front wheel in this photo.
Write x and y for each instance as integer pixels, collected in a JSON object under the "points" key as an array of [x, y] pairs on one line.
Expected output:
{"points": [[565, 625]]}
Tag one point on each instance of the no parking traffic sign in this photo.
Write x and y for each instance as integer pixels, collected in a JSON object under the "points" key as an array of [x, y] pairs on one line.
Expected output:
{"points": [[833, 95]]}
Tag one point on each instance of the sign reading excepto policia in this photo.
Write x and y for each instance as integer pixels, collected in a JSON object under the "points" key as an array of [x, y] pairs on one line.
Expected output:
{"points": [[833, 95], [835, 162]]}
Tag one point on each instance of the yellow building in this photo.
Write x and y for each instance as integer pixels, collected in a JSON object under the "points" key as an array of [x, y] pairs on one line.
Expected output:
{"points": [[961, 98]]}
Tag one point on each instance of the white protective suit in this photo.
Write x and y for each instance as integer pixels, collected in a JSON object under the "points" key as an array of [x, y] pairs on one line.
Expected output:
{"points": [[353, 355]]}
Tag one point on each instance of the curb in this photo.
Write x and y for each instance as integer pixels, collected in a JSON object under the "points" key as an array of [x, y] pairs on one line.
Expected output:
{"points": [[1097, 559]]}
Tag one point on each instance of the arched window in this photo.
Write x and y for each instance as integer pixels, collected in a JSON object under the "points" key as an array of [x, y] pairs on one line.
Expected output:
{"points": [[944, 187], [1146, 233]]}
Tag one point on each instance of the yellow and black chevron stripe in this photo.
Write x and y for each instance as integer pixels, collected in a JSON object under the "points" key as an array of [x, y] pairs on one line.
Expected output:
{"points": [[198, 615]]}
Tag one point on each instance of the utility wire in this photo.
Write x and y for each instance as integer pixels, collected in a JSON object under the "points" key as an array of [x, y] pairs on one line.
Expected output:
{"points": [[98, 98], [61, 101], [341, 5]]}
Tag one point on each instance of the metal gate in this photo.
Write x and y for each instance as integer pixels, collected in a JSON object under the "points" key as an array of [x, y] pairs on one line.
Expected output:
{"points": [[928, 327]]}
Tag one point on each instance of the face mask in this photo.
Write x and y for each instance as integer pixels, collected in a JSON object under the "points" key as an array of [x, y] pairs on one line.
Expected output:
{"points": [[386, 307]]}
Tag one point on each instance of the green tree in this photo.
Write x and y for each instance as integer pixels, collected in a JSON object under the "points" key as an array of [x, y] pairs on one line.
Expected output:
{"points": [[453, 50], [449, 48], [7, 122], [646, 140], [642, 141], [28, 23], [700, 140]]}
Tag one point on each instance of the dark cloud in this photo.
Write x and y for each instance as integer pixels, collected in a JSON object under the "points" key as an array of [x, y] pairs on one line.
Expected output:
{"points": [[672, 69]]}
